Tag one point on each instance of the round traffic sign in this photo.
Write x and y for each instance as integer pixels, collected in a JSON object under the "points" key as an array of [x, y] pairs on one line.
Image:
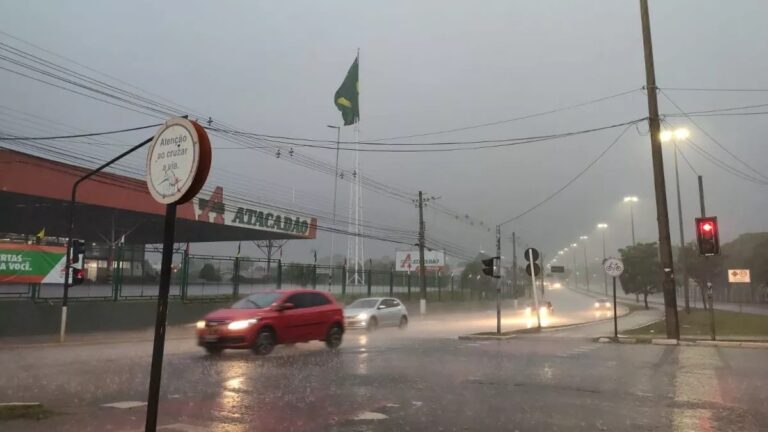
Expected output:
{"points": [[529, 252], [178, 161], [613, 267], [536, 269]]}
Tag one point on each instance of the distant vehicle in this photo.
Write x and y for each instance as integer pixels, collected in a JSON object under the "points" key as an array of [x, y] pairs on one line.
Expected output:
{"points": [[602, 304], [265, 319], [371, 313], [545, 308]]}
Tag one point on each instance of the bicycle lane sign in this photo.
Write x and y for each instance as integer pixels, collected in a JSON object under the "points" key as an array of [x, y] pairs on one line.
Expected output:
{"points": [[613, 267]]}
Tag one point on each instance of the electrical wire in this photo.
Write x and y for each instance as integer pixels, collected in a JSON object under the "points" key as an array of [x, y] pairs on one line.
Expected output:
{"points": [[713, 139], [571, 181]]}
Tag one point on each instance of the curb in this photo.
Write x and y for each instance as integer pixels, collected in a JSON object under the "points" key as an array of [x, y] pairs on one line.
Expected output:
{"points": [[693, 343], [486, 337]]}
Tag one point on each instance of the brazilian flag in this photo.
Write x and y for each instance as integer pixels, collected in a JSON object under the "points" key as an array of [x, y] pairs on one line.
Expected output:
{"points": [[346, 97]]}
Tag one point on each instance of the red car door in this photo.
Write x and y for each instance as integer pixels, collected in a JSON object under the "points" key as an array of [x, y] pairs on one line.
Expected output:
{"points": [[323, 315], [296, 323]]}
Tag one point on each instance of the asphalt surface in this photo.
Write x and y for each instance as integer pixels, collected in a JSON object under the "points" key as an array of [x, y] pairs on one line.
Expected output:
{"points": [[420, 379]]}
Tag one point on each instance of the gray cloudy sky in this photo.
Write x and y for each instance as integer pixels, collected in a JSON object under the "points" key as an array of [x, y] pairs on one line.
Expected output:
{"points": [[272, 67]]}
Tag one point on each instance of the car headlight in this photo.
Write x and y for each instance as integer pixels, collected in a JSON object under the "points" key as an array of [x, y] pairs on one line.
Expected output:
{"points": [[241, 324], [362, 316], [608, 305], [543, 309], [597, 305], [200, 324]]}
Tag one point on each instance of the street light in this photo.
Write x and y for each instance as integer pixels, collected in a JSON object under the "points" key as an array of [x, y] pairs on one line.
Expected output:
{"points": [[575, 273], [586, 262], [631, 200], [603, 227], [676, 136]]}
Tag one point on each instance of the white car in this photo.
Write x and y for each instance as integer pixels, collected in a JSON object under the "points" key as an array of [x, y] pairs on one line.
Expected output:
{"points": [[374, 312]]}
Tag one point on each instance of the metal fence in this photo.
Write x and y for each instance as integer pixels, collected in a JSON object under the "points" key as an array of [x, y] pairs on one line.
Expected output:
{"points": [[208, 277]]}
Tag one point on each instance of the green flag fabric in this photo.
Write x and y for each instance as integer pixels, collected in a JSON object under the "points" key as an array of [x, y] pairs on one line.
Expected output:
{"points": [[346, 97]]}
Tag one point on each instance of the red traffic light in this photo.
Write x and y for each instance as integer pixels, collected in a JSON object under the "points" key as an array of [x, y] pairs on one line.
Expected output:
{"points": [[707, 236]]}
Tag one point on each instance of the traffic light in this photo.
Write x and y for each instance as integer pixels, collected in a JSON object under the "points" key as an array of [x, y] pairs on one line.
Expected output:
{"points": [[532, 255], [491, 267], [78, 252], [708, 236], [78, 276], [76, 262]]}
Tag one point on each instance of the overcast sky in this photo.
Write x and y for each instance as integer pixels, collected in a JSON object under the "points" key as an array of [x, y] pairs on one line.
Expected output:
{"points": [[272, 67]]}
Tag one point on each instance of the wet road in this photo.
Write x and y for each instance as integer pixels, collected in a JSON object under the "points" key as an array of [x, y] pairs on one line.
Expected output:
{"points": [[422, 379]]}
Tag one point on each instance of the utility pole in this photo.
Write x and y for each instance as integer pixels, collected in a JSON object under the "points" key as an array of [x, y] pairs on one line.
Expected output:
{"points": [[422, 265], [662, 214], [683, 259]]}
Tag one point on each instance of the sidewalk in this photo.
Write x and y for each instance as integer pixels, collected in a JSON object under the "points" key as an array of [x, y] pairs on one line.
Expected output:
{"points": [[172, 332], [657, 299]]}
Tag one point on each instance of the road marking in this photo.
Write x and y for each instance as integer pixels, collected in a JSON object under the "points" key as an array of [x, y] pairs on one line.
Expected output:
{"points": [[696, 381], [368, 415], [181, 427], [124, 404]]}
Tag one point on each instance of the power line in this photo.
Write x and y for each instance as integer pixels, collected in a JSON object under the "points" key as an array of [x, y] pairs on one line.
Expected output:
{"points": [[571, 181], [500, 143], [679, 150], [528, 116], [92, 134], [713, 138], [695, 89]]}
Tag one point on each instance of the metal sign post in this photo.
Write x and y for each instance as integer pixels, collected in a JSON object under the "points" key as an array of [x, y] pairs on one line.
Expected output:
{"points": [[613, 267], [178, 162], [533, 269], [711, 299]]}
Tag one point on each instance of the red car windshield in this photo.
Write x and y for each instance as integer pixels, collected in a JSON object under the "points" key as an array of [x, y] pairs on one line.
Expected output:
{"points": [[256, 301]]}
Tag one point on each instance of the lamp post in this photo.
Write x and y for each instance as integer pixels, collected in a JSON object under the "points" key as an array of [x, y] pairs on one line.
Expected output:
{"points": [[603, 227], [586, 262], [573, 255], [675, 136], [631, 200]]}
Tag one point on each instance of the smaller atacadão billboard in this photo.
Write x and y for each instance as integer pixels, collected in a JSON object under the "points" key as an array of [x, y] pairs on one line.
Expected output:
{"points": [[409, 260], [28, 263]]}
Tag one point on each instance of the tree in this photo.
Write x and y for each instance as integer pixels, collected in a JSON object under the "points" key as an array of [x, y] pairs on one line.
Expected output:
{"points": [[758, 263], [642, 270], [210, 273]]}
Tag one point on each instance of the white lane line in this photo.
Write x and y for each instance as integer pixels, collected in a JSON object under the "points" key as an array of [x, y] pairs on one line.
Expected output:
{"points": [[124, 404], [182, 427], [368, 415]]}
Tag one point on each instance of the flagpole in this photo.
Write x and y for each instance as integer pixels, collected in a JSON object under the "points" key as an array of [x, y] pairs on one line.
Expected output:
{"points": [[333, 217]]}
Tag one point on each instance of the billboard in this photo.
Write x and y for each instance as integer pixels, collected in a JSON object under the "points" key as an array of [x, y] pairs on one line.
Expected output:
{"points": [[214, 210], [409, 260], [27, 263]]}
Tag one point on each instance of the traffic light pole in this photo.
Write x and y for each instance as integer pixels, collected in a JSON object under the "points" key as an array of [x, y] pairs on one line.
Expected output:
{"points": [[71, 228], [514, 268], [662, 214], [498, 281], [710, 299]]}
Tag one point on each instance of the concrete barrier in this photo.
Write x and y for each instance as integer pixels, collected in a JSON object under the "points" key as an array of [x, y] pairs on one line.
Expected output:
{"points": [[25, 318]]}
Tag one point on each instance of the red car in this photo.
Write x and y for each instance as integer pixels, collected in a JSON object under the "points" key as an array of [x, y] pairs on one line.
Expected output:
{"points": [[265, 319]]}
